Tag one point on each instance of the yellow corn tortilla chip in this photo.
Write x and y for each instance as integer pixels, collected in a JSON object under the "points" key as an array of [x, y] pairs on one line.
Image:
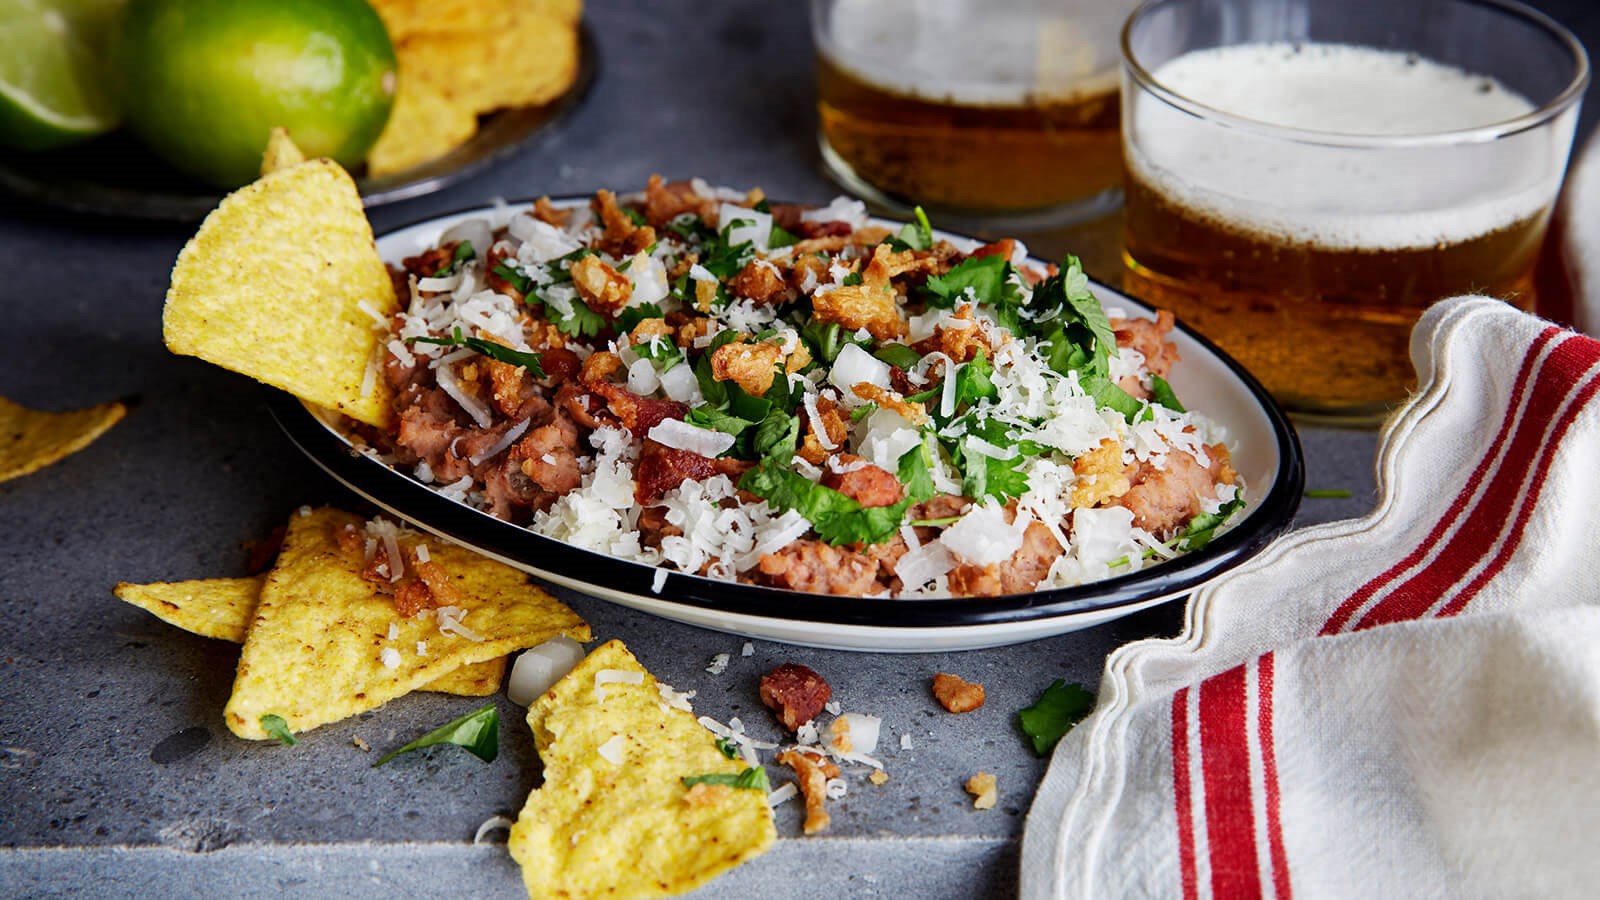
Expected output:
{"points": [[629, 829], [404, 18], [424, 124], [530, 63], [315, 653], [31, 439], [281, 152], [274, 284], [210, 607], [223, 608]]}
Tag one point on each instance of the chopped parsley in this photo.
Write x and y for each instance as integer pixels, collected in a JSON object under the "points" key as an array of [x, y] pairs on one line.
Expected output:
{"points": [[728, 747], [478, 732], [754, 779], [274, 725], [529, 361], [1060, 707]]}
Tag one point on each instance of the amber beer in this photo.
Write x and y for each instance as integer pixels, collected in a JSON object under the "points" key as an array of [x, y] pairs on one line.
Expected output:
{"points": [[993, 107], [944, 152], [1311, 262]]}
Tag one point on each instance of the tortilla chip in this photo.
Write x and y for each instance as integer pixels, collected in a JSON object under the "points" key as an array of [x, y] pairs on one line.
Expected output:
{"points": [[210, 607], [631, 829], [315, 652], [424, 124], [223, 608], [528, 64], [281, 152], [405, 18], [31, 439], [274, 284]]}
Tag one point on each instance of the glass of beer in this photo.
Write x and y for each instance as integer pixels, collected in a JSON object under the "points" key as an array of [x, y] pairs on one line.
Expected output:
{"points": [[1304, 177], [986, 110]]}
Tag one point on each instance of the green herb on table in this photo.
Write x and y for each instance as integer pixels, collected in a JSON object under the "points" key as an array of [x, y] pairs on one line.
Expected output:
{"points": [[478, 732], [1060, 707], [754, 779], [274, 725], [728, 747]]}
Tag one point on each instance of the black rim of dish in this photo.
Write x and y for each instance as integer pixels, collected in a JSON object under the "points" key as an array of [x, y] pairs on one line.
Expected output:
{"points": [[411, 500]]}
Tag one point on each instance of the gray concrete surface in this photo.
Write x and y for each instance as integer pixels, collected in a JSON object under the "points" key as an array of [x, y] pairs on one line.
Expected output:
{"points": [[117, 777]]}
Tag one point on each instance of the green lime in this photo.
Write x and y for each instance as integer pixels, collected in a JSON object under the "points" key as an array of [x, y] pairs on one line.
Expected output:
{"points": [[204, 82], [53, 85]]}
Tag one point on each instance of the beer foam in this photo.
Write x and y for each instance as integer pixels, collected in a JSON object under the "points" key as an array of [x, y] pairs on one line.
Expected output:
{"points": [[973, 52], [1337, 196]]}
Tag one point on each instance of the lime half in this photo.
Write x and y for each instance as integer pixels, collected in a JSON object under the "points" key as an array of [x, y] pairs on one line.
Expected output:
{"points": [[54, 86]]}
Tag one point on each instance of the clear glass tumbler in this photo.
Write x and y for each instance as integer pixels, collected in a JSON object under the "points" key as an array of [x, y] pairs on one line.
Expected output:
{"points": [[1304, 177], [980, 109]]}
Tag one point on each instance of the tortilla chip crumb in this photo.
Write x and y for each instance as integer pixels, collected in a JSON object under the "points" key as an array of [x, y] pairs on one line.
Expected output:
{"points": [[361, 745], [814, 772], [983, 790], [878, 776]]}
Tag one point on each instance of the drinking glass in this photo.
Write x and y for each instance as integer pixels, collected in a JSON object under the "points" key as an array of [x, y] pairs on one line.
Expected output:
{"points": [[1304, 177], [979, 109]]}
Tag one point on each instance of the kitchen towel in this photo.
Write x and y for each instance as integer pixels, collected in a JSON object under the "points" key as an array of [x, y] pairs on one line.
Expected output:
{"points": [[1404, 705]]}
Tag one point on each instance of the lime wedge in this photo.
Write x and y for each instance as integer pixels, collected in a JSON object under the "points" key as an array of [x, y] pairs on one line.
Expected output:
{"points": [[54, 87]]}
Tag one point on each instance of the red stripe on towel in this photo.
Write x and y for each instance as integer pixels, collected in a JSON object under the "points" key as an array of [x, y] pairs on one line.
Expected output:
{"points": [[1181, 793], [1347, 609], [1530, 499], [1269, 766], [1564, 367], [1225, 764]]}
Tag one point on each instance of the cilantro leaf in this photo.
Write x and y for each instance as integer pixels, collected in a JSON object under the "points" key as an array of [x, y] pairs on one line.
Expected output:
{"points": [[754, 779], [984, 275], [1203, 528], [862, 411], [826, 339], [777, 436], [898, 355], [478, 732], [516, 279], [728, 747], [631, 316], [851, 280], [973, 382], [529, 361], [713, 419], [1060, 707], [914, 471], [781, 237], [838, 518], [274, 725], [916, 235], [583, 320], [463, 253], [1162, 393]]}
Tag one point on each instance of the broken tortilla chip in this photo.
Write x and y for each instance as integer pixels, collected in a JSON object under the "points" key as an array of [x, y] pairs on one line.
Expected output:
{"points": [[614, 817], [281, 152], [283, 283], [223, 608], [319, 650], [31, 439]]}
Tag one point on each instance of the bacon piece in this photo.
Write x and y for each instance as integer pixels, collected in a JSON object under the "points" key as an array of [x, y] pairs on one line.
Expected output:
{"points": [[661, 468], [796, 693], [638, 414], [426, 263], [1002, 248], [559, 364]]}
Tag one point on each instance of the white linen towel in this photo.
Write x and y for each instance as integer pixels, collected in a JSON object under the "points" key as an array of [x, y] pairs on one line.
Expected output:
{"points": [[1405, 705]]}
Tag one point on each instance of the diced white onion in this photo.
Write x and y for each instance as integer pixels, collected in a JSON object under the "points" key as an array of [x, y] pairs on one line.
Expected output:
{"points": [[748, 225], [679, 384], [474, 231], [853, 366], [680, 435], [538, 669], [642, 377]]}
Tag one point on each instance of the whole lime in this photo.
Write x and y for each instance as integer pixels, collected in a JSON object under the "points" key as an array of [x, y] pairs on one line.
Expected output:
{"points": [[203, 82]]}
